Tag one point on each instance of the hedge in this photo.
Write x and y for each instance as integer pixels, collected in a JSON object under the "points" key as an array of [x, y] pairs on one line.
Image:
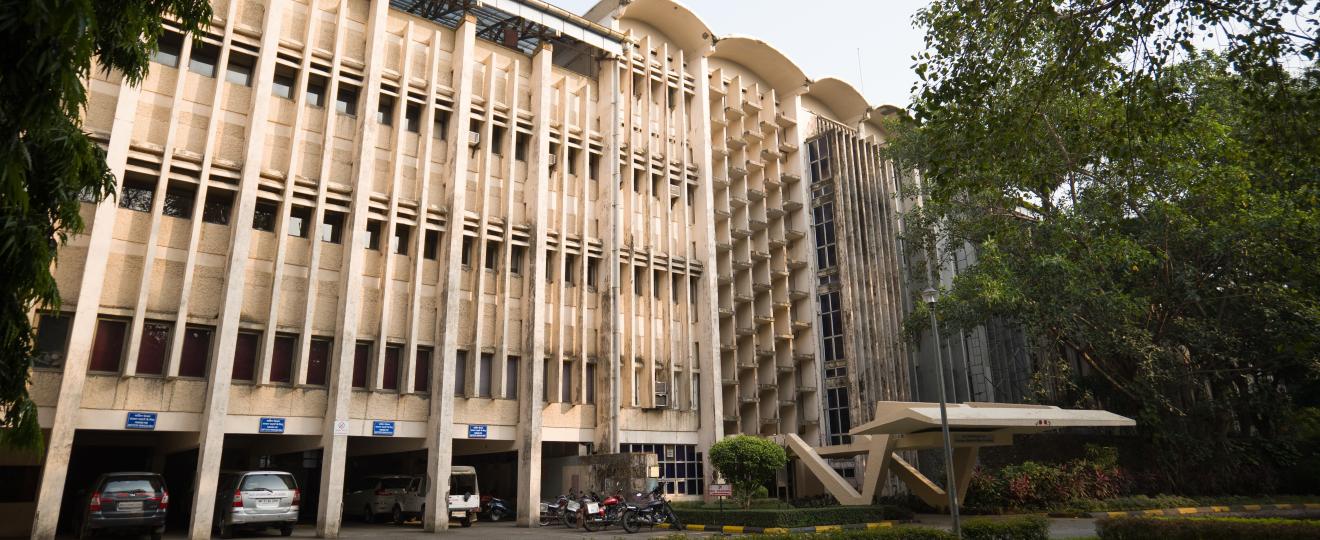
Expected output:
{"points": [[793, 517], [893, 533], [1142, 528], [1018, 528]]}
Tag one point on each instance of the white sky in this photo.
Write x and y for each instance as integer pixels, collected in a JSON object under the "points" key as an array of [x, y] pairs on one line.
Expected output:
{"points": [[823, 37]]}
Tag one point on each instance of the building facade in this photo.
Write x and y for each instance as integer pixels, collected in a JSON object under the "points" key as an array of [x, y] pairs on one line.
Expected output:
{"points": [[358, 237]]}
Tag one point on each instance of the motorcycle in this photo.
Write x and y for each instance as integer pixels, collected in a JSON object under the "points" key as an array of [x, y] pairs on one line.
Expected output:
{"points": [[654, 511], [495, 508], [563, 510], [598, 516]]}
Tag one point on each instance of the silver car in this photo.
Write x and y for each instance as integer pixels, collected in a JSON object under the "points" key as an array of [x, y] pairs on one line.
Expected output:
{"points": [[257, 500], [374, 496]]}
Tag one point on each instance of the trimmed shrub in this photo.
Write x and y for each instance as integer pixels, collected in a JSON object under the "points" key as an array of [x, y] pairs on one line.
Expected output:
{"points": [[894, 533], [793, 517], [1040, 486], [1144, 528], [1018, 528]]}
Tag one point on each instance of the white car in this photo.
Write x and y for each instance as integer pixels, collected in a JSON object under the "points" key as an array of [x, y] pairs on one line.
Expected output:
{"points": [[374, 496], [464, 497]]}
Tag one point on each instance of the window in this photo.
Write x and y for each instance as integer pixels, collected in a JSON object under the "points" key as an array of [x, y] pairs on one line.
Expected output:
{"points": [[511, 377], [315, 94], [593, 166], [675, 285], [831, 327], [179, 201], [399, 243], [196, 351], [638, 279], [390, 380], [836, 412], [460, 374], [108, 345], [361, 363], [239, 70], [549, 266], [422, 370], [373, 234], [516, 259], [590, 386], [281, 359], [245, 356], [497, 140], [203, 59], [171, 45], [492, 255], [681, 469], [656, 280], [300, 221], [318, 359], [545, 381], [696, 390], [483, 374], [332, 227], [440, 124], [520, 142], [217, 208], [823, 229], [137, 194], [592, 271], [637, 383], [573, 154], [432, 245], [566, 382], [153, 348], [692, 299], [467, 251], [346, 100], [282, 86], [412, 118], [570, 264], [52, 340], [385, 111], [263, 217]]}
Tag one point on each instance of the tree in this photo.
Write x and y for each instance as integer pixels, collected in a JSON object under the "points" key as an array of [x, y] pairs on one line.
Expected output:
{"points": [[1148, 210], [47, 163], [747, 462]]}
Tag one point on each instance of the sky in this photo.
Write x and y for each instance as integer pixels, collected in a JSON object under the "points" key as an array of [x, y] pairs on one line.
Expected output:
{"points": [[824, 37]]}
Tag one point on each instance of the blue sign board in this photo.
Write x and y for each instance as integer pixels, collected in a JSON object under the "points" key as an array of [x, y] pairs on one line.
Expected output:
{"points": [[140, 420], [271, 425], [381, 428], [476, 431]]}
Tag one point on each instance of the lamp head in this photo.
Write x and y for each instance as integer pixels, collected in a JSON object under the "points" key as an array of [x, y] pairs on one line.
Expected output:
{"points": [[930, 295]]}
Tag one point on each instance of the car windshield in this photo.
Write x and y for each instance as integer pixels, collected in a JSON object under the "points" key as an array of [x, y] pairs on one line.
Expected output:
{"points": [[267, 482], [400, 482], [462, 484], [131, 485]]}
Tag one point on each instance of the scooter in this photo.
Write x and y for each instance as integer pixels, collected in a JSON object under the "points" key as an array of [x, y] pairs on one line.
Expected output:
{"points": [[495, 508], [654, 512]]}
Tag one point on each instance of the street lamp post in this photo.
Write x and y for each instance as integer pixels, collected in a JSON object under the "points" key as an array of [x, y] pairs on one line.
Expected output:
{"points": [[930, 295]]}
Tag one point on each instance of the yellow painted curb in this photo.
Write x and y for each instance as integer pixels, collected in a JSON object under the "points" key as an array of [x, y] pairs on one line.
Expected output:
{"points": [[1187, 510], [1252, 507], [1220, 509]]}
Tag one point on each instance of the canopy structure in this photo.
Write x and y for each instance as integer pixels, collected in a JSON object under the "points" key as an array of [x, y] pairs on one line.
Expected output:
{"points": [[901, 425]]}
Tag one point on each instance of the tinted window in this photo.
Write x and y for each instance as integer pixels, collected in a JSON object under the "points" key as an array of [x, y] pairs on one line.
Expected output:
{"points": [[132, 484], [394, 483], [273, 482], [462, 484]]}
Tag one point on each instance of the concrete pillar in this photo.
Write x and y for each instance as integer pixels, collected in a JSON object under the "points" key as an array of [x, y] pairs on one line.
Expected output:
{"points": [[60, 444], [712, 390], [212, 436], [340, 384], [530, 393], [440, 434], [607, 394]]}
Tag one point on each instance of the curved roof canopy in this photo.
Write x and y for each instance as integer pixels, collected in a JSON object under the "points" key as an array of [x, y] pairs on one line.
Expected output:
{"points": [[844, 100], [762, 59], [679, 23]]}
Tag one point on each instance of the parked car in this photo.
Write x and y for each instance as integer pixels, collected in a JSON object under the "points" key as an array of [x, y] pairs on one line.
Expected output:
{"points": [[257, 500], [374, 496], [464, 497], [129, 502]]}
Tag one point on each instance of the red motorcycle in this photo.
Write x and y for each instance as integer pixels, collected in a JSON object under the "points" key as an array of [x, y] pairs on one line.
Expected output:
{"points": [[597, 516]]}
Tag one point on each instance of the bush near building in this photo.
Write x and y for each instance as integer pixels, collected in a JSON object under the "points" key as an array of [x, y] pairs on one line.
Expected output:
{"points": [[747, 462], [1207, 529], [1041, 486]]}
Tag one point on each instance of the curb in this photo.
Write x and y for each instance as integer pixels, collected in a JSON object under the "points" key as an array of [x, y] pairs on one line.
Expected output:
{"points": [[1188, 511], [737, 529]]}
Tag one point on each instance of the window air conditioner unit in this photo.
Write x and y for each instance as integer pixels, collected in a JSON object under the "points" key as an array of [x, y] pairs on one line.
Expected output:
{"points": [[553, 160], [661, 395], [474, 138]]}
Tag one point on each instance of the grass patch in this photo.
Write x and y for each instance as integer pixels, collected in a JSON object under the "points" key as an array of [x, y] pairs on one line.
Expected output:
{"points": [[1207, 528]]}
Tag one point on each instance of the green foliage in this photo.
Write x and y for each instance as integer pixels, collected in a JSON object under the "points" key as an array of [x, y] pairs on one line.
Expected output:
{"points": [[794, 517], [1018, 528], [1149, 212], [1207, 529], [747, 463], [1041, 486], [47, 162], [890, 533]]}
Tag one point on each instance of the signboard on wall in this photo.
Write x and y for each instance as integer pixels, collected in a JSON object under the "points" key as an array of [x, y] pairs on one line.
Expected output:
{"points": [[476, 431], [382, 428], [341, 427], [270, 425], [140, 420]]}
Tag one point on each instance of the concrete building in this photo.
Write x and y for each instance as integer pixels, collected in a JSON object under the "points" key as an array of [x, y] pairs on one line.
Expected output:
{"points": [[356, 237]]}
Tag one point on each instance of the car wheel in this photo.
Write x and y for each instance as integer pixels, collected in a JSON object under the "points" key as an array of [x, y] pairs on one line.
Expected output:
{"points": [[398, 515], [367, 515], [286, 530]]}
